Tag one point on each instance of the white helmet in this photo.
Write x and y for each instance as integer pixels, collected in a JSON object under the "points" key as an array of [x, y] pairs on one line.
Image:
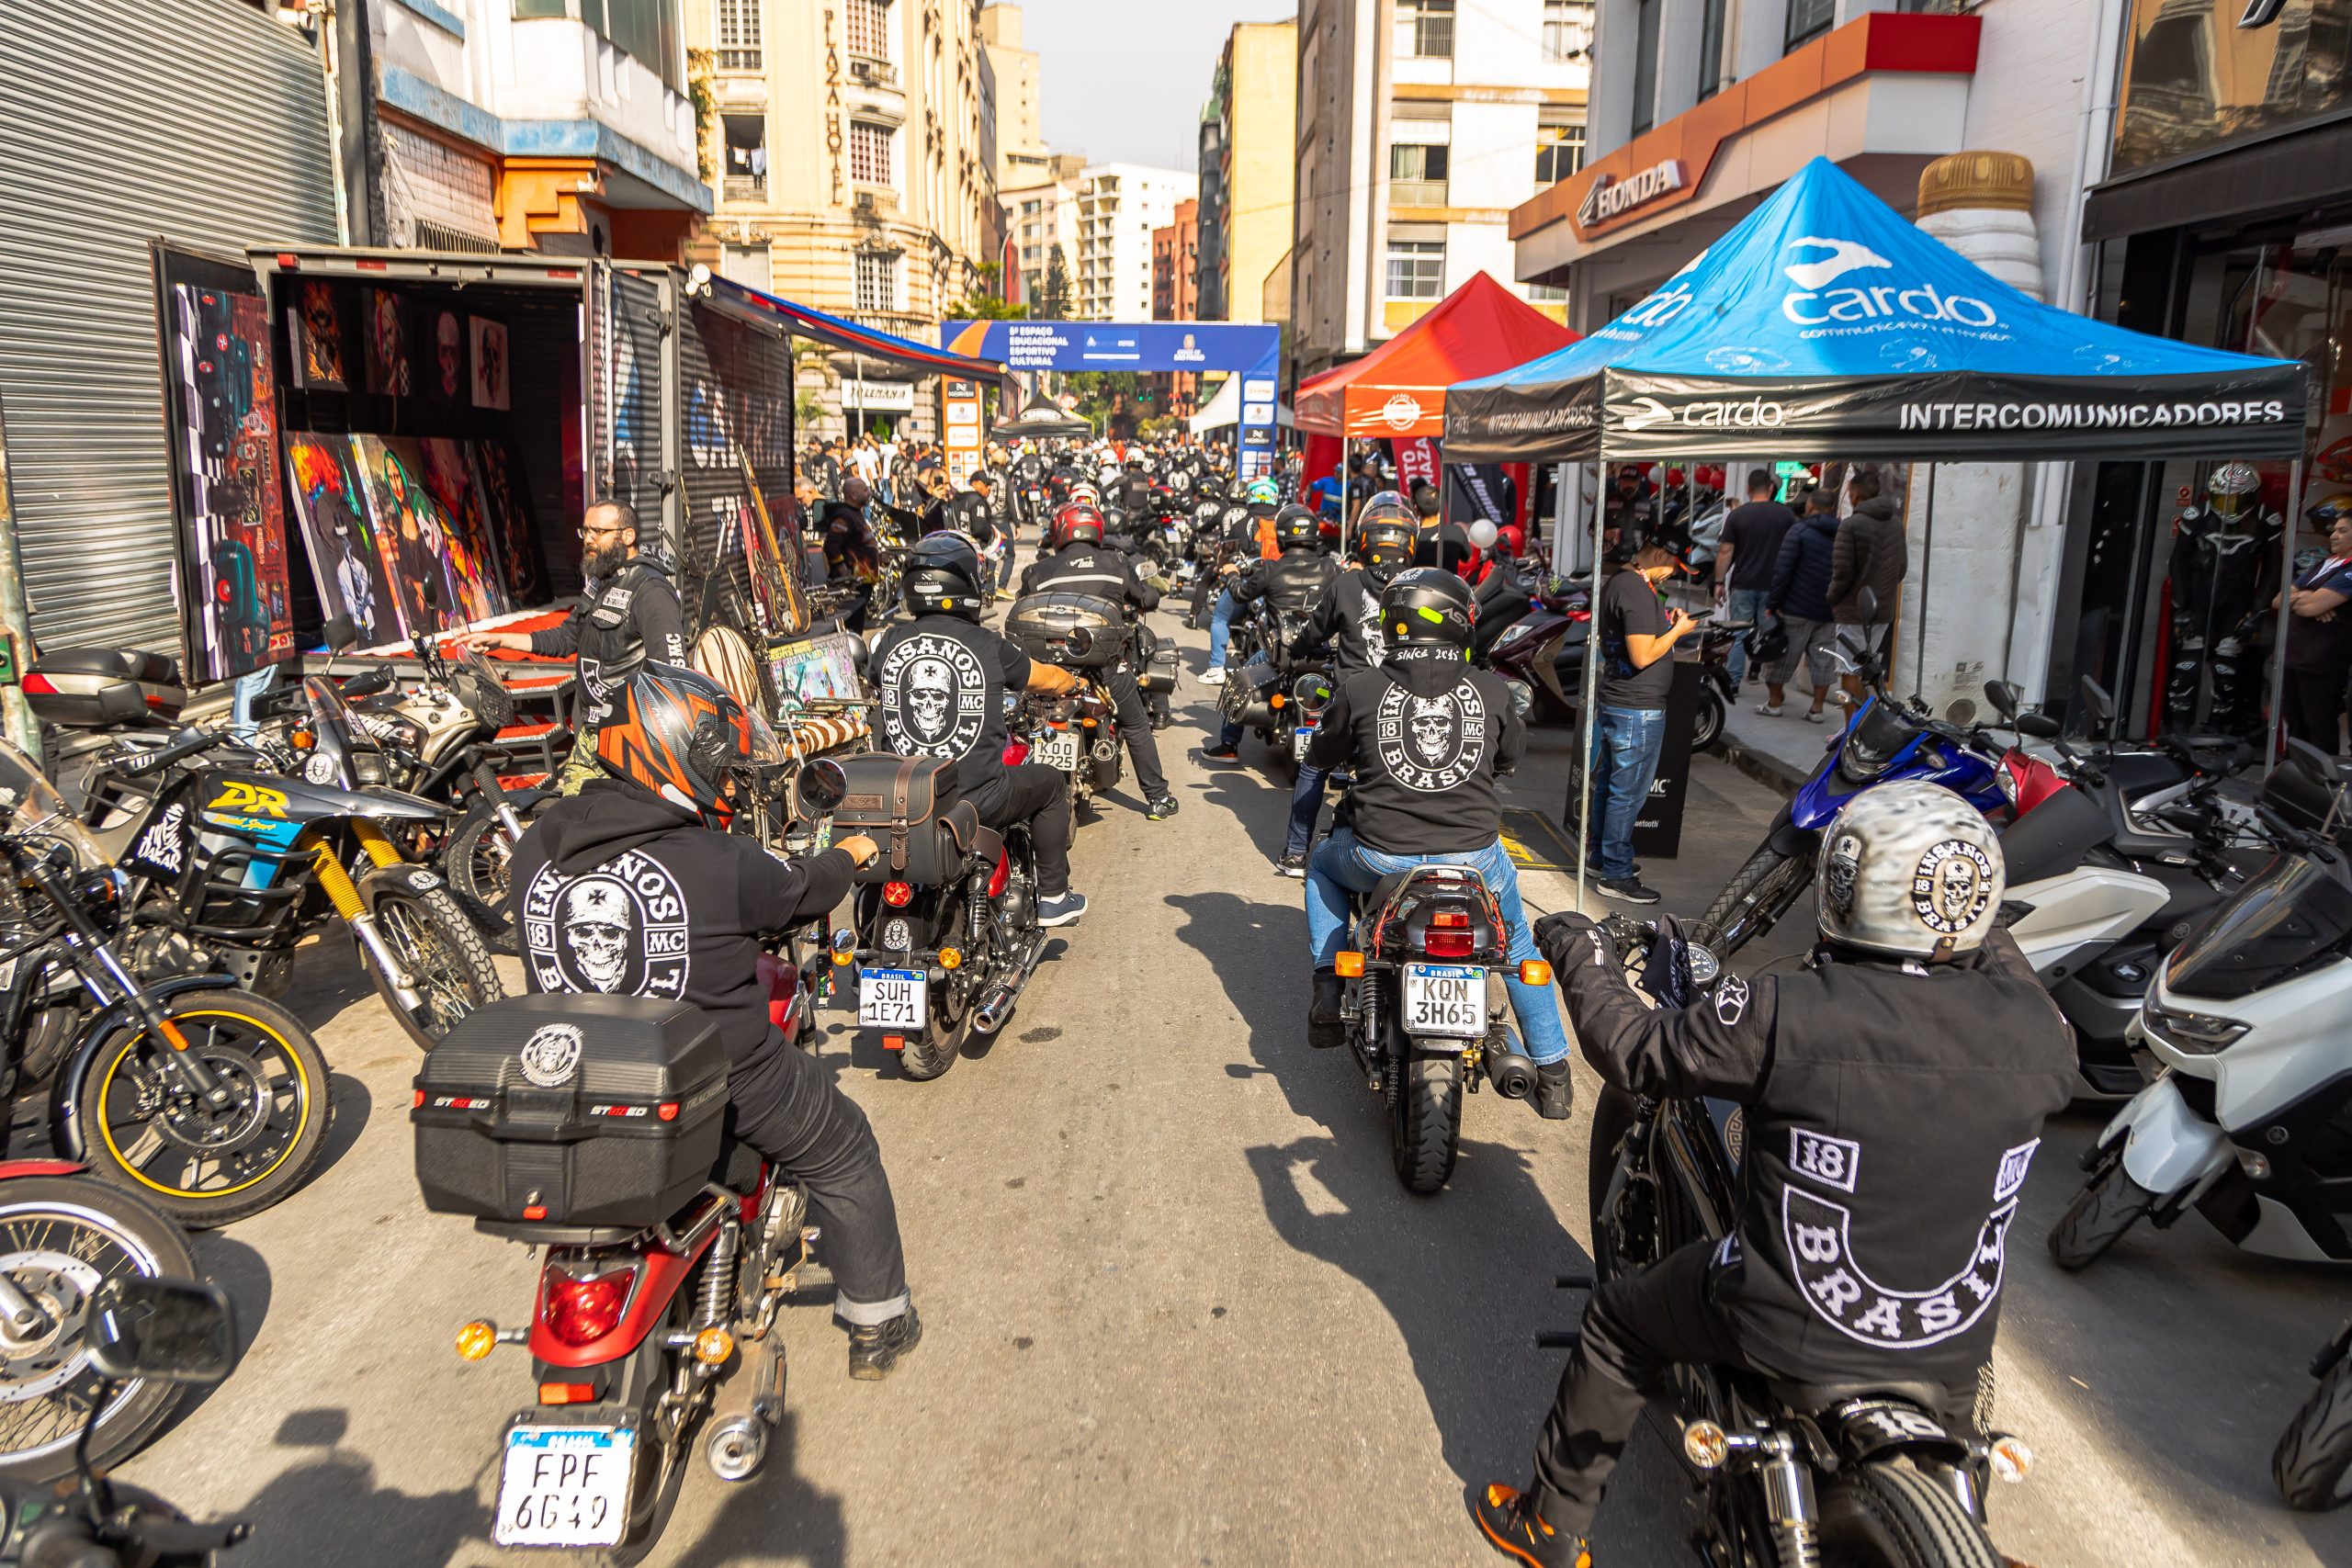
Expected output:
{"points": [[1910, 870]]}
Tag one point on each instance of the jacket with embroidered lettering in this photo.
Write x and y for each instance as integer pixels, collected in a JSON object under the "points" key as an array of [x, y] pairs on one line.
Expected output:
{"points": [[615, 627], [1891, 1113], [1349, 610], [1425, 732]]}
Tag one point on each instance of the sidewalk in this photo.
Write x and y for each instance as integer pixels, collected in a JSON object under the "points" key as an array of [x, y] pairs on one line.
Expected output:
{"points": [[1781, 752]]}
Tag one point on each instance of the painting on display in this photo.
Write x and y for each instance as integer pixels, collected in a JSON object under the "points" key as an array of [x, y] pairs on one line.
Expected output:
{"points": [[351, 563], [507, 501], [779, 599], [489, 363], [391, 366], [472, 555], [414, 529], [319, 338], [446, 377], [225, 417]]}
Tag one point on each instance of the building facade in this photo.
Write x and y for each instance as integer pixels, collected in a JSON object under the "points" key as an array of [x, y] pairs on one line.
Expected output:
{"points": [[1022, 158], [555, 125], [1420, 125], [1119, 206], [851, 157], [1248, 147], [1041, 219], [1175, 295]]}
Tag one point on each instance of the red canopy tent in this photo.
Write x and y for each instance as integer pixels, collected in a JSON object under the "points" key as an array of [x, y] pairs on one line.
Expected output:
{"points": [[1398, 389]]}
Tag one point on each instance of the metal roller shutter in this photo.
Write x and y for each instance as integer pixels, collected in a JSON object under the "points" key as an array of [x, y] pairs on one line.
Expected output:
{"points": [[201, 121]]}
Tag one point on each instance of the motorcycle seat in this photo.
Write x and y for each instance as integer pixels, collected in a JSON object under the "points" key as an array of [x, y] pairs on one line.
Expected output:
{"points": [[116, 663], [1813, 1398]]}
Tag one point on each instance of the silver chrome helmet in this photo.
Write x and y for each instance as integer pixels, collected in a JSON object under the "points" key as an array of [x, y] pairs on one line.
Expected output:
{"points": [[1909, 870], [2231, 485]]}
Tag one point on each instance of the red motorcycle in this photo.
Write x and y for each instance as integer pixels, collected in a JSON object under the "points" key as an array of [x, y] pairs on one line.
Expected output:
{"points": [[592, 1126]]}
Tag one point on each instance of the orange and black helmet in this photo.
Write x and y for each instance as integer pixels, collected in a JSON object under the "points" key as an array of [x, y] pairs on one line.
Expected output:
{"points": [[1074, 521], [680, 735]]}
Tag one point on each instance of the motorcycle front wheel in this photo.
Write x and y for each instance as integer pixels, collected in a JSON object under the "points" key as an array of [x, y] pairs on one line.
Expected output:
{"points": [[1759, 894], [2108, 1205], [203, 1164], [2313, 1463], [476, 862], [437, 945], [61, 1238], [1892, 1515], [1426, 1132], [1708, 728]]}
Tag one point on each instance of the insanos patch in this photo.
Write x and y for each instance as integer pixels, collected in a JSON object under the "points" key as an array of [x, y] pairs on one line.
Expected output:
{"points": [[620, 930], [934, 697], [551, 1054], [1432, 743], [1951, 886]]}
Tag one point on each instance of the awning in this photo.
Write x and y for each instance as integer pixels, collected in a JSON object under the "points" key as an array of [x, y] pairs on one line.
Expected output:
{"points": [[1224, 410], [1042, 420], [805, 321], [1826, 326], [1400, 388]]}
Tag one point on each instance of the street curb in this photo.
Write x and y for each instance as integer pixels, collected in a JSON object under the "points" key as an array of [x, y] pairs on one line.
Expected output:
{"points": [[1761, 766]]}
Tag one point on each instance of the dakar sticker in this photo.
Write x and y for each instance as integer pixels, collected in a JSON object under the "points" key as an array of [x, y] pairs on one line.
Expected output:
{"points": [[551, 1054], [1952, 885], [620, 930], [934, 697], [1430, 744], [163, 844]]}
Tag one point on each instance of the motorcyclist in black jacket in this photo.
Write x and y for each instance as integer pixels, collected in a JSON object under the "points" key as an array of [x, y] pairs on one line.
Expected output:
{"points": [[634, 888], [1292, 583], [1079, 562], [1893, 1092]]}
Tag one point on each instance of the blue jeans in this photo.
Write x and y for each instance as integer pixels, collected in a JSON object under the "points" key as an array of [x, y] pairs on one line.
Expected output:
{"points": [[1624, 764], [1221, 628], [1741, 604], [1306, 806], [1343, 865]]}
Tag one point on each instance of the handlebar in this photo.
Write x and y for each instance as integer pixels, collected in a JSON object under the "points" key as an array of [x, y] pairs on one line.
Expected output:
{"points": [[187, 744]]}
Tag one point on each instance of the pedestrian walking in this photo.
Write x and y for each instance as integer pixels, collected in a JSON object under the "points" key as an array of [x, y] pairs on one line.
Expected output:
{"points": [[1745, 561], [1799, 597], [1628, 733], [1869, 553]]}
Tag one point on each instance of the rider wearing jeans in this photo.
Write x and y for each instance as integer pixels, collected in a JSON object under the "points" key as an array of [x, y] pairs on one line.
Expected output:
{"points": [[1892, 1093], [1250, 531], [1426, 734], [1637, 639]]}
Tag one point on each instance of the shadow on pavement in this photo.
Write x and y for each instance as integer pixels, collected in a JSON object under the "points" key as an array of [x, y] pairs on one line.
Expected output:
{"points": [[352, 1105], [331, 1505], [775, 1517], [1258, 949]]}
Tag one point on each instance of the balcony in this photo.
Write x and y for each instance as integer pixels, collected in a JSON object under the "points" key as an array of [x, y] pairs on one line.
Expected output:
{"points": [[1416, 193], [897, 322], [869, 72], [744, 188]]}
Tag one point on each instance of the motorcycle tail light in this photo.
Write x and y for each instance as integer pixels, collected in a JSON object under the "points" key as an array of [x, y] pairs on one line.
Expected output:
{"points": [[39, 685], [580, 1311], [1449, 935], [897, 894]]}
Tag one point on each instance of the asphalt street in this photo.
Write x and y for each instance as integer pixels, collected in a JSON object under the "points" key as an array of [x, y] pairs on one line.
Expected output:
{"points": [[1177, 1308]]}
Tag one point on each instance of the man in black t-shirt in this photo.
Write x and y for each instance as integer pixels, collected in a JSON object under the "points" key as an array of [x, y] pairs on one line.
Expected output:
{"points": [[1744, 559], [1636, 646]]}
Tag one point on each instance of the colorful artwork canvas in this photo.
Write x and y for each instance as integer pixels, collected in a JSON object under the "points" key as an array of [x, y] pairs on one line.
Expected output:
{"points": [[506, 501], [391, 365], [489, 363], [348, 560], [474, 556], [319, 337], [447, 375], [219, 353], [415, 530], [779, 599]]}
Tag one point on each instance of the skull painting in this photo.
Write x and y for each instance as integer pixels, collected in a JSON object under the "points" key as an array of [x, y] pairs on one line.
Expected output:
{"points": [[931, 688], [597, 925], [1432, 721]]}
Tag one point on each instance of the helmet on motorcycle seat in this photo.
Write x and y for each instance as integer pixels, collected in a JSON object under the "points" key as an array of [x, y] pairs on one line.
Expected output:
{"points": [[2228, 490], [1909, 870], [680, 735], [1385, 546], [2328, 511], [1427, 608], [942, 576], [1296, 528], [1072, 522]]}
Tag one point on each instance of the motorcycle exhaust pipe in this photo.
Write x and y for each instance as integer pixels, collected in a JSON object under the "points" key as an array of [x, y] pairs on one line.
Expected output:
{"points": [[997, 1005], [1512, 1075], [748, 1408]]}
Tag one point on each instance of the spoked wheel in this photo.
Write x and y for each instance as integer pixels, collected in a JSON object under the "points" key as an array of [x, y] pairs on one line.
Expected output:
{"points": [[446, 958], [203, 1164], [1759, 894], [61, 1238], [1426, 1129], [477, 862], [1892, 1515]]}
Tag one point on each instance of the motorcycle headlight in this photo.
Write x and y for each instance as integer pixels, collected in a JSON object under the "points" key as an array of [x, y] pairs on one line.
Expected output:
{"points": [[2191, 1034], [1860, 761]]}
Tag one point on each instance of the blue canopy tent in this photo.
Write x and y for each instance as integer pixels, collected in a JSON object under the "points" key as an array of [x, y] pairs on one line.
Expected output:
{"points": [[1825, 325]]}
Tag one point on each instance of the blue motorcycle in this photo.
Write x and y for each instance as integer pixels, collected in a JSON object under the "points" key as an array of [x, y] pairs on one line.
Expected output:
{"points": [[1883, 741]]}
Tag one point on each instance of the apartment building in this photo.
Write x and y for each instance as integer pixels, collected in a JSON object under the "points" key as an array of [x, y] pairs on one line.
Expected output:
{"points": [[1420, 125], [1248, 146], [1022, 158], [1119, 206], [1175, 293], [1041, 219]]}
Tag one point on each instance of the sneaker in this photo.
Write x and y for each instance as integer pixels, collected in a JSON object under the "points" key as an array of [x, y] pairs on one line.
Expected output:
{"points": [[1556, 1096], [1160, 810], [1293, 864], [1220, 754], [1769, 710], [1061, 910], [1628, 890], [1213, 677], [1324, 1027], [1812, 716], [874, 1348], [1506, 1518]]}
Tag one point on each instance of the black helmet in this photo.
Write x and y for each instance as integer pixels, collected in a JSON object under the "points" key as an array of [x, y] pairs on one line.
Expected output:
{"points": [[1427, 608], [1387, 503], [1385, 545], [679, 735], [942, 576], [1296, 528]]}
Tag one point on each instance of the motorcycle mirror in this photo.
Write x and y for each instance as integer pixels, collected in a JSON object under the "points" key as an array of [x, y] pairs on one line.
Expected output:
{"points": [[2311, 762], [430, 591], [1868, 600], [2099, 705], [341, 634], [1081, 640], [162, 1330], [823, 787], [2003, 699], [2040, 725]]}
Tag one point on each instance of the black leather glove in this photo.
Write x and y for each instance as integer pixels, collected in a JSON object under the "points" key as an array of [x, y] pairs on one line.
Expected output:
{"points": [[1568, 940]]}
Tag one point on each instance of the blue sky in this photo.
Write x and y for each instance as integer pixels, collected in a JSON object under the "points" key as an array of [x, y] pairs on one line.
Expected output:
{"points": [[1124, 80]]}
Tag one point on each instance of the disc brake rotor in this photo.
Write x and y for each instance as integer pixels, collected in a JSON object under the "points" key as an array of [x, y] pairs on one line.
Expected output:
{"points": [[37, 1363], [200, 1128]]}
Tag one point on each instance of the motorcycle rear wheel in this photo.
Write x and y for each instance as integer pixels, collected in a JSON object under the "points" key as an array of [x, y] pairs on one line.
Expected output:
{"points": [[1759, 894], [206, 1173], [661, 1466], [931, 1054], [1426, 1133], [2313, 1463], [433, 938], [1708, 728], [2109, 1204], [476, 863], [61, 1237], [1891, 1514]]}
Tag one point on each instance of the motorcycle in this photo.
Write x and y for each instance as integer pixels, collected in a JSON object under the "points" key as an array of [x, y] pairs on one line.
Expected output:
{"points": [[2247, 1122], [1791, 1473], [209, 1102], [669, 1251], [1424, 1009], [1540, 652], [1076, 733], [159, 1334]]}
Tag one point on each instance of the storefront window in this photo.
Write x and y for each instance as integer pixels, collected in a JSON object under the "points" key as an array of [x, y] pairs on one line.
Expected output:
{"points": [[2194, 79]]}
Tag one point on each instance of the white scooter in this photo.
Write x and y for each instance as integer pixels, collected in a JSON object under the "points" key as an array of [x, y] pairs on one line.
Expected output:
{"points": [[2251, 1119]]}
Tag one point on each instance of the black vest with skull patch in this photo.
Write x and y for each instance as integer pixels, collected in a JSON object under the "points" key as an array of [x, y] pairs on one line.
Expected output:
{"points": [[940, 687], [1425, 732]]}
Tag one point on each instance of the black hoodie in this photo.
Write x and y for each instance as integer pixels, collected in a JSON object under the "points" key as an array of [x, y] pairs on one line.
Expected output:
{"points": [[1425, 732], [617, 892]]}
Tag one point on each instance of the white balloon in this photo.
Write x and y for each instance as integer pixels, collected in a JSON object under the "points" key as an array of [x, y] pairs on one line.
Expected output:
{"points": [[1484, 534]]}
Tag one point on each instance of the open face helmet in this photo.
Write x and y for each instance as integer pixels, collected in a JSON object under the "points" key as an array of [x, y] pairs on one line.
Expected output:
{"points": [[1910, 870]]}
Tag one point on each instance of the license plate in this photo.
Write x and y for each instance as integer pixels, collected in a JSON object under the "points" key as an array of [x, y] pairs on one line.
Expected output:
{"points": [[1301, 737], [1057, 748], [565, 1486], [1449, 999], [891, 998]]}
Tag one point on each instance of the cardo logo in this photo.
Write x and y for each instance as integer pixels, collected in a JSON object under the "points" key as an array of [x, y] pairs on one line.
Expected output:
{"points": [[1402, 412], [1650, 412], [1751, 413], [1816, 303], [1659, 308]]}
